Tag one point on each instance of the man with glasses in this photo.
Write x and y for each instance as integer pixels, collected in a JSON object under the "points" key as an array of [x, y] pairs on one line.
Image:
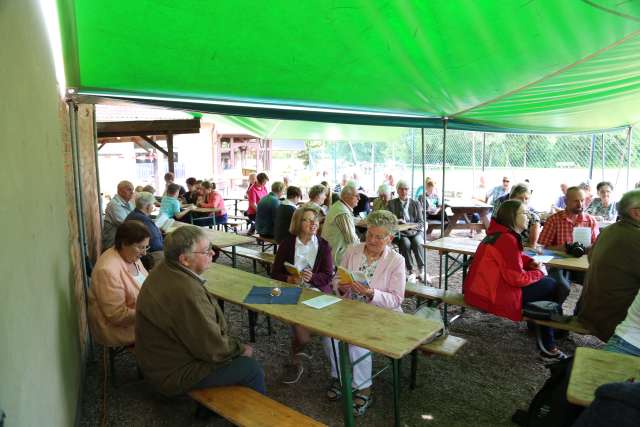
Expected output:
{"points": [[613, 278], [496, 192], [182, 338], [408, 210]]}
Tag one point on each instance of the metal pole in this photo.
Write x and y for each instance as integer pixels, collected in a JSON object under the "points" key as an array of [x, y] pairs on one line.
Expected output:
{"points": [[603, 156], [335, 164], [629, 130], [413, 156], [95, 153], [373, 164], [425, 225], [484, 140], [442, 204], [592, 155]]}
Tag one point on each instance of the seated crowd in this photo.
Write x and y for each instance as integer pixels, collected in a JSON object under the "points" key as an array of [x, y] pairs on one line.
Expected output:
{"points": [[180, 333]]}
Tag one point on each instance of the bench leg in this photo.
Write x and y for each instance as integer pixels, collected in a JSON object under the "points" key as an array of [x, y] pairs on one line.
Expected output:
{"points": [[255, 266], [414, 369], [396, 390], [112, 366], [269, 324], [252, 326]]}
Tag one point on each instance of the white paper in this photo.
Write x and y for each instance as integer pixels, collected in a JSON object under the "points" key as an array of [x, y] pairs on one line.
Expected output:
{"points": [[321, 301], [543, 259]]}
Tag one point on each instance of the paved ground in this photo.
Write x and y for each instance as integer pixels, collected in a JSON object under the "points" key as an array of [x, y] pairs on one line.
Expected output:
{"points": [[497, 372]]}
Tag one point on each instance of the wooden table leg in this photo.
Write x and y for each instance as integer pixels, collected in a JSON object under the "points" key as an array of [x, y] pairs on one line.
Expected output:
{"points": [[452, 223]]}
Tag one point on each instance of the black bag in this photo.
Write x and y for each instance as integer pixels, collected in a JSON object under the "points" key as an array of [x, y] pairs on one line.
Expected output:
{"points": [[550, 407], [542, 310]]}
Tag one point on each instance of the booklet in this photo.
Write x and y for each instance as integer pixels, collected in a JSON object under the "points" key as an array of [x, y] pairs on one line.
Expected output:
{"points": [[321, 301], [346, 277], [292, 269], [543, 259]]}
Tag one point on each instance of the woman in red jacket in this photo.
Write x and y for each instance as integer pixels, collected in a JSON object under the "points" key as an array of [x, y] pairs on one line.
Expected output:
{"points": [[502, 277]]}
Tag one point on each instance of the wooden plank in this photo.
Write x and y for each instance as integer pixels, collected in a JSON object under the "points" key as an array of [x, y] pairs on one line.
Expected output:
{"points": [[572, 325], [246, 407], [267, 257], [147, 127], [446, 346], [382, 331], [459, 245], [593, 368], [428, 292], [219, 239], [570, 263]]}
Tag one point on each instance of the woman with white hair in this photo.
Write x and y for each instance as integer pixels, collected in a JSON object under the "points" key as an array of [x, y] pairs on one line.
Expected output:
{"points": [[384, 195], [408, 210], [384, 281], [145, 204]]}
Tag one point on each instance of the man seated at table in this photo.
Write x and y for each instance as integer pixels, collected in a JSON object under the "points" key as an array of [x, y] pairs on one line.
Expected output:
{"points": [[145, 203], [115, 213], [558, 230], [339, 227], [266, 210], [613, 279], [408, 210], [498, 191], [284, 212], [182, 338], [169, 177], [561, 203]]}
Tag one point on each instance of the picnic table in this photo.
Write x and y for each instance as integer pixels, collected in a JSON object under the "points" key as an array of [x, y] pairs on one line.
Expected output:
{"points": [[593, 368], [461, 209], [235, 201], [353, 323], [220, 239]]}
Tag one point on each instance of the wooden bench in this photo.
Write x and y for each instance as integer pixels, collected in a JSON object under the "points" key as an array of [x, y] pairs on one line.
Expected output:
{"points": [[234, 225], [266, 242], [573, 325], [264, 258], [246, 407]]}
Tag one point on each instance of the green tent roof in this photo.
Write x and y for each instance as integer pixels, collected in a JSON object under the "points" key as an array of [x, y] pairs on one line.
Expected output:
{"points": [[545, 65]]}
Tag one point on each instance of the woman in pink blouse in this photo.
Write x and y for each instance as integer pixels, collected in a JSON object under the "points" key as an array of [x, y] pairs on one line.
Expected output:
{"points": [[213, 199], [256, 192], [115, 283], [382, 283]]}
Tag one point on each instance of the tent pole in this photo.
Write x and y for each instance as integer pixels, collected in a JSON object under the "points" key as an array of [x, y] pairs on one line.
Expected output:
{"points": [[413, 159], [484, 140], [592, 155], [335, 164], [373, 164], [425, 225], [442, 204], [629, 130], [603, 156]]}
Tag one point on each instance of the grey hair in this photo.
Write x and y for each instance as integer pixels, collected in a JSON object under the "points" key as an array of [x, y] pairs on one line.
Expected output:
{"points": [[348, 190], [383, 218], [629, 200], [182, 241], [518, 189], [402, 184], [384, 189], [317, 190], [144, 199]]}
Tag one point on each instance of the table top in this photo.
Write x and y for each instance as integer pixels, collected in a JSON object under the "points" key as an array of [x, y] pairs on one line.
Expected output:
{"points": [[234, 198], [379, 330], [467, 246], [219, 239], [400, 227], [593, 368], [465, 203], [205, 210]]}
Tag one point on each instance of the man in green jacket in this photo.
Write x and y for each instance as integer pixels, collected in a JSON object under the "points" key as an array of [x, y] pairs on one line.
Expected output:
{"points": [[182, 340], [613, 279]]}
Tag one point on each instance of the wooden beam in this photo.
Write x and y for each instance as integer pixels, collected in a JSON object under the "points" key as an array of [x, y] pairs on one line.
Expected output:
{"points": [[149, 127], [102, 145], [155, 145], [170, 150]]}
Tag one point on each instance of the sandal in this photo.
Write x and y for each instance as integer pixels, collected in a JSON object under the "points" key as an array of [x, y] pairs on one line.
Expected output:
{"points": [[334, 392], [360, 403]]}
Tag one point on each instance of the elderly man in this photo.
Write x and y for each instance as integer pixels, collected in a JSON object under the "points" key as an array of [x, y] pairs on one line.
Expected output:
{"points": [[613, 279], [182, 338], [339, 227], [117, 210], [409, 210], [145, 203], [496, 192], [558, 231]]}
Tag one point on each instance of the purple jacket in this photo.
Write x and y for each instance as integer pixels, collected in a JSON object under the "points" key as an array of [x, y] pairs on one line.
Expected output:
{"points": [[322, 269]]}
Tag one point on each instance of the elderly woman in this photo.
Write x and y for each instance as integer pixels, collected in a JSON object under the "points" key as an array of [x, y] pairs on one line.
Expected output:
{"points": [[145, 203], [317, 196], [311, 255], [602, 207], [339, 228], [502, 278], [115, 284], [384, 280], [384, 195]]}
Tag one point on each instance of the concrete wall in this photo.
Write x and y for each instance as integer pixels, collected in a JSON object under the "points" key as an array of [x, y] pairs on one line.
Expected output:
{"points": [[40, 357]]}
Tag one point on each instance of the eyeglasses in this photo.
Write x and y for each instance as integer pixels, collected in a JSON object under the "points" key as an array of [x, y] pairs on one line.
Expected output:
{"points": [[207, 252], [142, 249], [311, 220]]}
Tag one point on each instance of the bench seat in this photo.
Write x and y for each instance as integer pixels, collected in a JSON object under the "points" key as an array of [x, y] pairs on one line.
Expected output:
{"points": [[573, 325], [265, 257], [444, 346], [246, 407], [436, 294]]}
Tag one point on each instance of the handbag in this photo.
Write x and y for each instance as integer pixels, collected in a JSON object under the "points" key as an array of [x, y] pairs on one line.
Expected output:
{"points": [[543, 310]]}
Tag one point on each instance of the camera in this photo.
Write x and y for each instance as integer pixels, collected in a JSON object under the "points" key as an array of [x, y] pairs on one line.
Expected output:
{"points": [[575, 249]]}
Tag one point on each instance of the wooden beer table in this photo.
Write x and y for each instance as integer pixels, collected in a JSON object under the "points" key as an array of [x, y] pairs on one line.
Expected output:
{"points": [[461, 209], [379, 330]]}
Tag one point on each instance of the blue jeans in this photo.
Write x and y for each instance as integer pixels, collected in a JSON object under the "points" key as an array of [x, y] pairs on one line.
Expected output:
{"points": [[245, 371], [545, 289], [619, 345]]}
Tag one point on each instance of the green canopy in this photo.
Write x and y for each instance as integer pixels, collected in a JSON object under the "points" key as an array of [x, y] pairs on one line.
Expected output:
{"points": [[545, 65]]}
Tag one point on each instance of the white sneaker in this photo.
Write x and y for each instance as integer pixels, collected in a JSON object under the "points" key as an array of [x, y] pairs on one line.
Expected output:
{"points": [[411, 277]]}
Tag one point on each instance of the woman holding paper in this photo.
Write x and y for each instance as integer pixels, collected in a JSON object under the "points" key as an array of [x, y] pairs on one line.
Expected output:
{"points": [[380, 278], [502, 278], [303, 258]]}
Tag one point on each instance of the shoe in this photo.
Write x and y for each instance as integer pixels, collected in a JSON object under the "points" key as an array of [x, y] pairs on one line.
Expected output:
{"points": [[334, 392], [553, 354], [411, 277], [293, 373], [360, 403]]}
